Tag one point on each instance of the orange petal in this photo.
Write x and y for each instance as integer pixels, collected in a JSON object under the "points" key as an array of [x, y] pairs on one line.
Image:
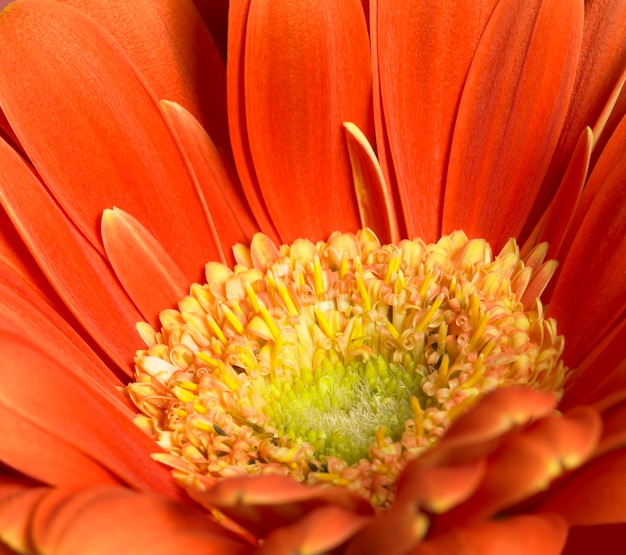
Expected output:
{"points": [[423, 52], [438, 489], [228, 211], [16, 506], [77, 272], [393, 532], [43, 392], [563, 206], [596, 259], [520, 535], [148, 274], [526, 464], [104, 520], [265, 503], [237, 25], [173, 51], [306, 71], [44, 457], [600, 66], [595, 494], [601, 373], [372, 192], [510, 116], [94, 131], [319, 531]]}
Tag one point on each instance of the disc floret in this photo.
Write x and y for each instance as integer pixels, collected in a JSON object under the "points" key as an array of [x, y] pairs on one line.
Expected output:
{"points": [[338, 362]]}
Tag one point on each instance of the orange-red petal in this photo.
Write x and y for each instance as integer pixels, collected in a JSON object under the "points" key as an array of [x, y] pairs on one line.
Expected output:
{"points": [[521, 535], [151, 278], [510, 116], [306, 71], [94, 131], [423, 52]]}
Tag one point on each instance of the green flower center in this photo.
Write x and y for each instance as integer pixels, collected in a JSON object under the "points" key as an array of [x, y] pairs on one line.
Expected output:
{"points": [[338, 362]]}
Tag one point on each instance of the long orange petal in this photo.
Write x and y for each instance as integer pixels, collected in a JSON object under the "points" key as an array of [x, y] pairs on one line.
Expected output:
{"points": [[601, 64], [151, 278], [424, 50], [226, 204], [173, 51], [306, 71], [103, 520], [94, 131], [50, 397], [77, 272], [510, 116], [521, 535], [596, 261]]}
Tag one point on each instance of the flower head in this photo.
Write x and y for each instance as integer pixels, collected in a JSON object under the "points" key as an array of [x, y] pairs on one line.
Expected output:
{"points": [[361, 372]]}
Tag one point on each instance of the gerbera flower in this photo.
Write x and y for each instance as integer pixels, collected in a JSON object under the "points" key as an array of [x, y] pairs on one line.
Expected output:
{"points": [[385, 357]]}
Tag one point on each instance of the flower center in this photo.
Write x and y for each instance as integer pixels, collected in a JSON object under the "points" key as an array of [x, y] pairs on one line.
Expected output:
{"points": [[338, 362]]}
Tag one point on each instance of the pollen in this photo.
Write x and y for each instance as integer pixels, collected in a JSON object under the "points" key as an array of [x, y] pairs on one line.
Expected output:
{"points": [[338, 362]]}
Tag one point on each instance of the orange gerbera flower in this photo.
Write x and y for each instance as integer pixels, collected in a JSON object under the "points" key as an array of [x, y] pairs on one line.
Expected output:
{"points": [[378, 192]]}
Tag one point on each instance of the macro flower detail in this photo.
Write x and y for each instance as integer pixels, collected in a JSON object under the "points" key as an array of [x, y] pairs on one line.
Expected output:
{"points": [[409, 337], [337, 362]]}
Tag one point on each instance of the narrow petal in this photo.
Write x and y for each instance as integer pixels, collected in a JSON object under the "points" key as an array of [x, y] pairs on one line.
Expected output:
{"points": [[44, 457], [173, 51], [228, 212], [423, 52], [372, 192], [16, 506], [237, 28], [151, 278], [307, 70], [563, 206], [595, 259], [43, 392], [601, 64], [510, 116], [95, 145], [543, 535], [92, 294]]}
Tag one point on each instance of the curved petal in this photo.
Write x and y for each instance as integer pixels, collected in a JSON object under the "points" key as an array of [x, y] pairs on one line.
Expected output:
{"points": [[96, 145], [16, 505], [306, 71], [601, 64], [102, 520], [595, 494], [173, 51], [151, 278], [393, 532], [424, 50], [372, 192], [520, 535], [595, 259], [44, 393], [510, 116], [265, 503], [526, 464], [227, 209], [319, 531], [92, 294]]}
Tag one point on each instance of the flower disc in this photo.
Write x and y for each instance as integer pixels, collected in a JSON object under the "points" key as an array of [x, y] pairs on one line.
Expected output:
{"points": [[338, 362]]}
